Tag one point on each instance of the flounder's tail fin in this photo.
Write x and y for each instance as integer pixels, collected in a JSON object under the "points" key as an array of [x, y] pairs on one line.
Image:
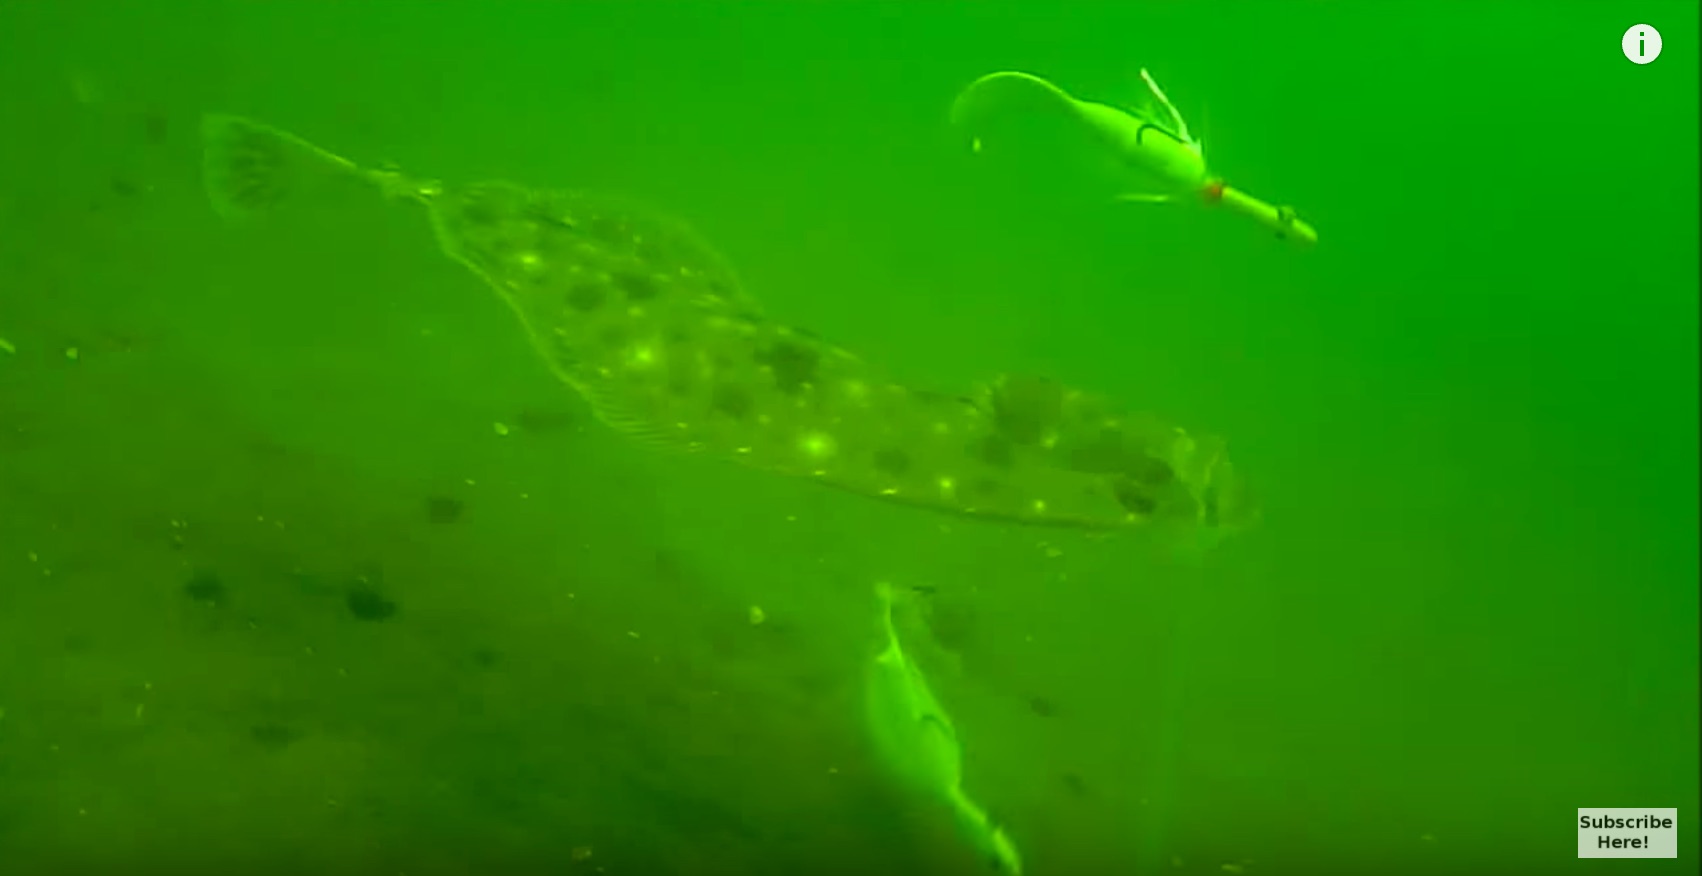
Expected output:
{"points": [[249, 168]]}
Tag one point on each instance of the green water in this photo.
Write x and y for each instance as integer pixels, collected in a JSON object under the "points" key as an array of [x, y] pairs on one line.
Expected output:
{"points": [[275, 592]]}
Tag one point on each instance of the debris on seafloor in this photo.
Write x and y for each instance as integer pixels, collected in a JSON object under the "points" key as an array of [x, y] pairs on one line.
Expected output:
{"points": [[205, 587], [367, 604], [444, 509], [273, 736], [156, 127], [545, 420], [1042, 707]]}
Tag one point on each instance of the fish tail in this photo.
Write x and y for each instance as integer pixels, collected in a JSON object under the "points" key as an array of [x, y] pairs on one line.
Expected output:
{"points": [[987, 836], [249, 168]]}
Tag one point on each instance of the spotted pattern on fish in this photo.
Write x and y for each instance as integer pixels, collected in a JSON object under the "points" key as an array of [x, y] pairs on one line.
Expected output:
{"points": [[654, 328]]}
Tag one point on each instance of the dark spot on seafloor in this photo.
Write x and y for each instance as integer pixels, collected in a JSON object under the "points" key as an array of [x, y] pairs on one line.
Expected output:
{"points": [[155, 127], [205, 587], [444, 509], [545, 420], [682, 810], [1132, 497], [485, 658], [998, 452], [367, 604], [954, 624], [637, 286], [734, 401], [273, 736], [124, 188], [794, 365], [892, 461], [1043, 707], [117, 342], [585, 296], [1075, 784], [671, 568], [986, 488]]}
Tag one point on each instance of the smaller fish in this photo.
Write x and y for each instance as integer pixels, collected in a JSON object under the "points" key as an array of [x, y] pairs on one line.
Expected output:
{"points": [[918, 743]]}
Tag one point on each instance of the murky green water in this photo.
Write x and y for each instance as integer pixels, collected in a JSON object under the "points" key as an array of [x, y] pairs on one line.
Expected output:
{"points": [[307, 560]]}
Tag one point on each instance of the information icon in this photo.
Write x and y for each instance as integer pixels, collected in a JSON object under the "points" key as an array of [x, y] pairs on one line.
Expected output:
{"points": [[1641, 44]]}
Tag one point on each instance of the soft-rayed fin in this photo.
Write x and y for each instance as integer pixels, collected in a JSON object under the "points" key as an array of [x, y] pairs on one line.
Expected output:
{"points": [[249, 168]]}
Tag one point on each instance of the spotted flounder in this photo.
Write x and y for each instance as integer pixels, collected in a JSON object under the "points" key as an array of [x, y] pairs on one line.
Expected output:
{"points": [[655, 330]]}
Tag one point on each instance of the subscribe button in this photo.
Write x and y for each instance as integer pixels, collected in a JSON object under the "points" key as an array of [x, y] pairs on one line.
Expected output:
{"points": [[1628, 833]]}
